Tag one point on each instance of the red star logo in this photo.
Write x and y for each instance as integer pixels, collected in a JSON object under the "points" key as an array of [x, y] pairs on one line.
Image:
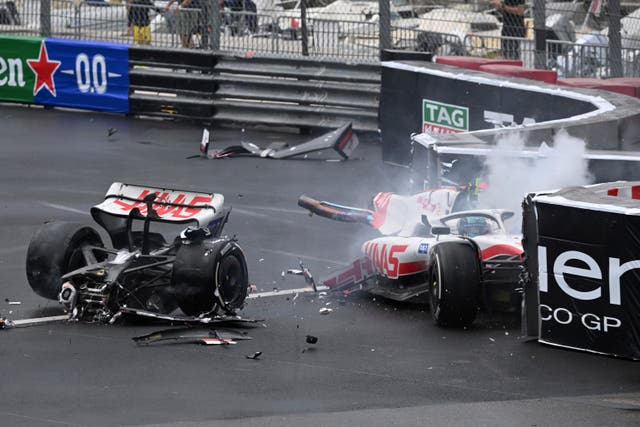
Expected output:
{"points": [[44, 69]]}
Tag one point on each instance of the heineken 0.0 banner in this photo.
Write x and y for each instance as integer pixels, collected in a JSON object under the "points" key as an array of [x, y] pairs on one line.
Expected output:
{"points": [[66, 73]]}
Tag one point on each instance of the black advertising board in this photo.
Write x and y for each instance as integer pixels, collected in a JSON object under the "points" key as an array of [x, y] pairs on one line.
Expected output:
{"points": [[588, 269], [420, 96]]}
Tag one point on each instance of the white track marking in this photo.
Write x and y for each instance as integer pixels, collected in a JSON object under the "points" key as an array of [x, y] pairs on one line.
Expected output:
{"points": [[283, 210], [64, 208], [285, 292], [303, 257], [40, 420], [249, 213], [22, 323], [13, 250]]}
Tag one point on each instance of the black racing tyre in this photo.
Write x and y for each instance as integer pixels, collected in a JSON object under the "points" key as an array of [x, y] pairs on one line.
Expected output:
{"points": [[454, 283], [55, 250], [210, 275]]}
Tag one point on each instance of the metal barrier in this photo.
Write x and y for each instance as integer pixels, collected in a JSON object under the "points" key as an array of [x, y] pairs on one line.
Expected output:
{"points": [[346, 30], [257, 90], [589, 59]]}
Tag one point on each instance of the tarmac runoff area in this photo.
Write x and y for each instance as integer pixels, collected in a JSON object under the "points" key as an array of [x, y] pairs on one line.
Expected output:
{"points": [[376, 362]]}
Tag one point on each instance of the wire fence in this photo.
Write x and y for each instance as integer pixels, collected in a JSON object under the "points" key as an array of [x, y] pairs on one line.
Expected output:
{"points": [[587, 38]]}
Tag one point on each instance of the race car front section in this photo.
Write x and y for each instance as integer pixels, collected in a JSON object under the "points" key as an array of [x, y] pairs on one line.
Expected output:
{"points": [[425, 255]]}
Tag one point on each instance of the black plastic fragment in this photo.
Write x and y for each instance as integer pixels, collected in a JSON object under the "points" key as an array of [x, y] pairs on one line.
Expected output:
{"points": [[254, 356]]}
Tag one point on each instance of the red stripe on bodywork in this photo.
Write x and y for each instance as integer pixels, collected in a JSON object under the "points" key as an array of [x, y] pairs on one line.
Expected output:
{"points": [[612, 192], [381, 203], [635, 192], [346, 138], [495, 250], [412, 267]]}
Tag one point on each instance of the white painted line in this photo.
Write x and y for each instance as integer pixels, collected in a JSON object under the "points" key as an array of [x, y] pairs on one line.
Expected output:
{"points": [[38, 320], [285, 292], [283, 210], [249, 213], [303, 257], [23, 323], [13, 250], [64, 208]]}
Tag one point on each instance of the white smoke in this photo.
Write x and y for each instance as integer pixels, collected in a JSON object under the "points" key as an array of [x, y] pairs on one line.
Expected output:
{"points": [[511, 177]]}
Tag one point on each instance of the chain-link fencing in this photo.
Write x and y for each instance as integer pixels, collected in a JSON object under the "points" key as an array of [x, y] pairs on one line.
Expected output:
{"points": [[587, 38]]}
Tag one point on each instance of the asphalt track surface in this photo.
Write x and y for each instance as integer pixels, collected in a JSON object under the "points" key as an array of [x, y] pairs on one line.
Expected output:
{"points": [[376, 363]]}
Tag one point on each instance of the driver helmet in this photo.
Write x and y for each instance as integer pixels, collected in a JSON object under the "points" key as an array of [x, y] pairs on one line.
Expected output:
{"points": [[473, 226]]}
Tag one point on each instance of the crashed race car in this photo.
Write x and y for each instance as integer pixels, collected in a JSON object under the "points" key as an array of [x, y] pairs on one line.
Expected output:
{"points": [[199, 271], [433, 246]]}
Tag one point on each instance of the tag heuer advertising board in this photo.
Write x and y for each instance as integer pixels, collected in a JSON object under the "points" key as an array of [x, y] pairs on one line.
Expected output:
{"points": [[438, 117]]}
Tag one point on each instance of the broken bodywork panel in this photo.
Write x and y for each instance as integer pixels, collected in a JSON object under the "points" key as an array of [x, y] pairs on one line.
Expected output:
{"points": [[342, 140], [198, 335]]}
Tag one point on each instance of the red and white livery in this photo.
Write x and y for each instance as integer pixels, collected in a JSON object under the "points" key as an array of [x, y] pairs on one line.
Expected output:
{"points": [[461, 260]]}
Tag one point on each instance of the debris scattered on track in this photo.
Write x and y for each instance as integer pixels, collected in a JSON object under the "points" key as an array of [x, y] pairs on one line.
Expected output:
{"points": [[193, 335], [23, 323], [5, 324], [254, 356], [304, 271]]}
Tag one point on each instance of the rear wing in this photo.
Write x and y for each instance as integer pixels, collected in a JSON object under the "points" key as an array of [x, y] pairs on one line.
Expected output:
{"points": [[170, 205], [125, 203]]}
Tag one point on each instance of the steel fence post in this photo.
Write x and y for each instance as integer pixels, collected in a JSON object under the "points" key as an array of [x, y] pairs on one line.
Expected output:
{"points": [[304, 35], [215, 25], [77, 20], [615, 43], [540, 34], [45, 18], [384, 7]]}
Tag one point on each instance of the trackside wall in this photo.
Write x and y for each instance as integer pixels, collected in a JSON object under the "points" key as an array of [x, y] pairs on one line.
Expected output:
{"points": [[582, 256], [201, 85], [421, 96]]}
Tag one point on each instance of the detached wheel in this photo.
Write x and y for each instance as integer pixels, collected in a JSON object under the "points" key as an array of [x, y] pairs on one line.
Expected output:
{"points": [[209, 276], [55, 250], [455, 280]]}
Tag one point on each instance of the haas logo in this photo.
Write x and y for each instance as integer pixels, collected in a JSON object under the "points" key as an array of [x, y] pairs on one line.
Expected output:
{"points": [[168, 207], [384, 258]]}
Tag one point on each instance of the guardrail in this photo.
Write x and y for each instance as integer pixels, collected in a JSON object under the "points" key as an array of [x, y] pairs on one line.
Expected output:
{"points": [[257, 90], [589, 59], [351, 31]]}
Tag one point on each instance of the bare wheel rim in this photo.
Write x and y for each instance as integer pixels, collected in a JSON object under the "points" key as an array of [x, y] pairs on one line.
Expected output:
{"points": [[230, 280]]}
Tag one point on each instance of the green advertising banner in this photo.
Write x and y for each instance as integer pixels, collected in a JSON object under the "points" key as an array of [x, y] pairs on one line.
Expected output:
{"points": [[18, 57]]}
